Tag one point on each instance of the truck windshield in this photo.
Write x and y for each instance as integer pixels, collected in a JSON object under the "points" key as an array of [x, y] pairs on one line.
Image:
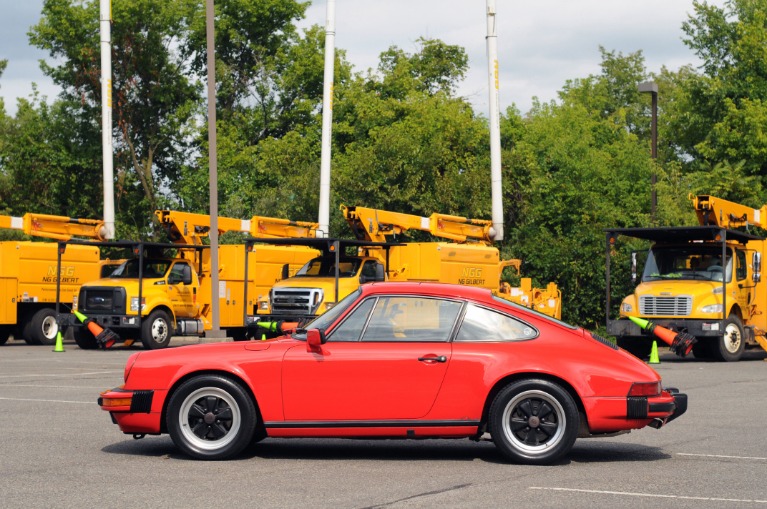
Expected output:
{"points": [[326, 267], [152, 269], [687, 263]]}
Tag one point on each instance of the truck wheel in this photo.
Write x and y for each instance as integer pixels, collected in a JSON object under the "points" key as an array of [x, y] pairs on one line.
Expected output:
{"points": [[211, 417], [156, 330], [638, 347], [83, 338], [730, 346], [42, 327], [5, 333]]}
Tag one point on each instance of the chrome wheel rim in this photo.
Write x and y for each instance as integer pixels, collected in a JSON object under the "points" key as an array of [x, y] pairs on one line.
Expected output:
{"points": [[209, 419], [50, 328], [534, 422], [159, 330], [732, 338]]}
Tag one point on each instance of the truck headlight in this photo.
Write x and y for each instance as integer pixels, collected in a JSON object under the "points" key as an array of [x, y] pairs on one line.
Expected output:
{"points": [[74, 303], [626, 308], [711, 308], [134, 303]]}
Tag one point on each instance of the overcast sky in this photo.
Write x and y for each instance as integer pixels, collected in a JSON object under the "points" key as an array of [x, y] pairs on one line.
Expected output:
{"points": [[541, 43]]}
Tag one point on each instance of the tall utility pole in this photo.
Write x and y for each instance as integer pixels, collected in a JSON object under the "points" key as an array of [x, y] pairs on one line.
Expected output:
{"points": [[327, 117], [215, 331], [495, 123], [652, 88], [105, 23]]}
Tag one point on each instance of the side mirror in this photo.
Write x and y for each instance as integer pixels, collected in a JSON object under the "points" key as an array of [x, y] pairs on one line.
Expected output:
{"points": [[633, 267], [380, 273], [756, 264], [314, 340]]}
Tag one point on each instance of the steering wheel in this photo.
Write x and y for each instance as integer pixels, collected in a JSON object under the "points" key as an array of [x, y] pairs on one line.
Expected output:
{"points": [[715, 268]]}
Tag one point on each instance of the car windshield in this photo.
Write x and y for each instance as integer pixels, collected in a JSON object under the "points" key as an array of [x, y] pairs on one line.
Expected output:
{"points": [[152, 269], [326, 267], [326, 319], [699, 263]]}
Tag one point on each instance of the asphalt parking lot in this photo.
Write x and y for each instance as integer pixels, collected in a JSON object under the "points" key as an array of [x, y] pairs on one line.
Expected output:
{"points": [[60, 450]]}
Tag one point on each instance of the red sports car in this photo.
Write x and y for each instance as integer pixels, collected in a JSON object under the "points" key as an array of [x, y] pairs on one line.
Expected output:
{"points": [[398, 360]]}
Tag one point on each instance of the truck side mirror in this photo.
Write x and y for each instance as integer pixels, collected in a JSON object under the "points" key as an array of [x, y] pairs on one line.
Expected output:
{"points": [[380, 273], [633, 267], [756, 264]]}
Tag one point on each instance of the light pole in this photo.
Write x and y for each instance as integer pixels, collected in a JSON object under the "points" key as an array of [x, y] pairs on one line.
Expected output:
{"points": [[652, 88]]}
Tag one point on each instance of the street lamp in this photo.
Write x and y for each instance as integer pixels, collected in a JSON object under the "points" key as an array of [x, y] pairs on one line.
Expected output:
{"points": [[651, 88]]}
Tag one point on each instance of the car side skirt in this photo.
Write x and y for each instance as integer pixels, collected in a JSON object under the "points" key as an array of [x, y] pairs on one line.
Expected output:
{"points": [[398, 428]]}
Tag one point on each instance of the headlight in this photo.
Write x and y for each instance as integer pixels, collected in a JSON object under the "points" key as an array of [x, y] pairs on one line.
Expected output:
{"points": [[712, 308], [626, 308], [74, 303], [134, 303]]}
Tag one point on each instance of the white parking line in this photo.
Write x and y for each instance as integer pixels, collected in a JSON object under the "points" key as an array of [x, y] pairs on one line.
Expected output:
{"points": [[70, 375], [653, 495], [50, 401], [757, 458], [47, 387]]}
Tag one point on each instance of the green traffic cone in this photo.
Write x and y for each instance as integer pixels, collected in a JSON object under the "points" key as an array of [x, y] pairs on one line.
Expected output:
{"points": [[59, 343], [654, 354], [80, 316]]}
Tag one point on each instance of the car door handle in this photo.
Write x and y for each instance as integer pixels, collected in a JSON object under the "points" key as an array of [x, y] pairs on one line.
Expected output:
{"points": [[440, 358]]}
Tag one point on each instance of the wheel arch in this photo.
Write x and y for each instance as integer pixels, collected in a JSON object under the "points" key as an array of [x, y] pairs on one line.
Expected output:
{"points": [[735, 310], [515, 377], [161, 307], [222, 373]]}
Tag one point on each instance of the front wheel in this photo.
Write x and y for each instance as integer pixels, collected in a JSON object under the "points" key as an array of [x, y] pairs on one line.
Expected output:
{"points": [[211, 417], [156, 330], [730, 346], [534, 421]]}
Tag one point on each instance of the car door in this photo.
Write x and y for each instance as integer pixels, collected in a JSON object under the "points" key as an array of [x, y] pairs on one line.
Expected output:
{"points": [[385, 361]]}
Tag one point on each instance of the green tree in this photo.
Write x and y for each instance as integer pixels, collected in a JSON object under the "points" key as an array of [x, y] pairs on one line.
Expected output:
{"points": [[154, 100], [723, 113]]}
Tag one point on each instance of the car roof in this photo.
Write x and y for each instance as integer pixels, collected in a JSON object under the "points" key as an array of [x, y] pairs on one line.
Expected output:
{"points": [[424, 288]]}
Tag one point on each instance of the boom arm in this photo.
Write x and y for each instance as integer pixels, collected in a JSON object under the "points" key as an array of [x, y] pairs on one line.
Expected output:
{"points": [[376, 225], [190, 228], [55, 227], [726, 214]]}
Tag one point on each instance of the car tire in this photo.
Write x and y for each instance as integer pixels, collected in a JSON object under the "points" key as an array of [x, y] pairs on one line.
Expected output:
{"points": [[534, 422], [730, 347], [211, 417], [83, 338], [43, 327], [156, 330], [638, 347]]}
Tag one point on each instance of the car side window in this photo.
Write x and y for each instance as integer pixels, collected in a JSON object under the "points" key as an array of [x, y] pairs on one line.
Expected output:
{"points": [[412, 319], [351, 328], [482, 324]]}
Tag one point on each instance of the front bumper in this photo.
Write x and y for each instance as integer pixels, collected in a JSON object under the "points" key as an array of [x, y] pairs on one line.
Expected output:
{"points": [[133, 411], [699, 328]]}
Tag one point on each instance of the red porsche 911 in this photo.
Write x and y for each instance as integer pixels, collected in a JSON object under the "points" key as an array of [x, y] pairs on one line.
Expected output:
{"points": [[398, 360]]}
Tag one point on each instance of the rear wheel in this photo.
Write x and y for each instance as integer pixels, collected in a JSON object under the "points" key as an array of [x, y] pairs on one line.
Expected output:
{"points": [[534, 421], [730, 346], [156, 330], [5, 333], [638, 347], [44, 327], [211, 417]]}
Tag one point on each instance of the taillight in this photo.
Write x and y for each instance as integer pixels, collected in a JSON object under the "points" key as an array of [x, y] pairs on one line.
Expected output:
{"points": [[645, 389]]}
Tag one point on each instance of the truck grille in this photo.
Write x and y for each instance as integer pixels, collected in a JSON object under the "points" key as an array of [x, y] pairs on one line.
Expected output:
{"points": [[665, 306], [298, 301], [107, 300]]}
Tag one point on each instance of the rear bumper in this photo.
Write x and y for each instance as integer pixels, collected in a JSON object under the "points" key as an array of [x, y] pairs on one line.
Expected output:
{"points": [[609, 415]]}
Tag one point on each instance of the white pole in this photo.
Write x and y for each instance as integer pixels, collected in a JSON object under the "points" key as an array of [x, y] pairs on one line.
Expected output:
{"points": [[105, 17], [495, 125], [327, 118]]}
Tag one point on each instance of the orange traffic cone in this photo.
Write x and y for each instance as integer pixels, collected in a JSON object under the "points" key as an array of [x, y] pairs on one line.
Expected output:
{"points": [[106, 338], [680, 342]]}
